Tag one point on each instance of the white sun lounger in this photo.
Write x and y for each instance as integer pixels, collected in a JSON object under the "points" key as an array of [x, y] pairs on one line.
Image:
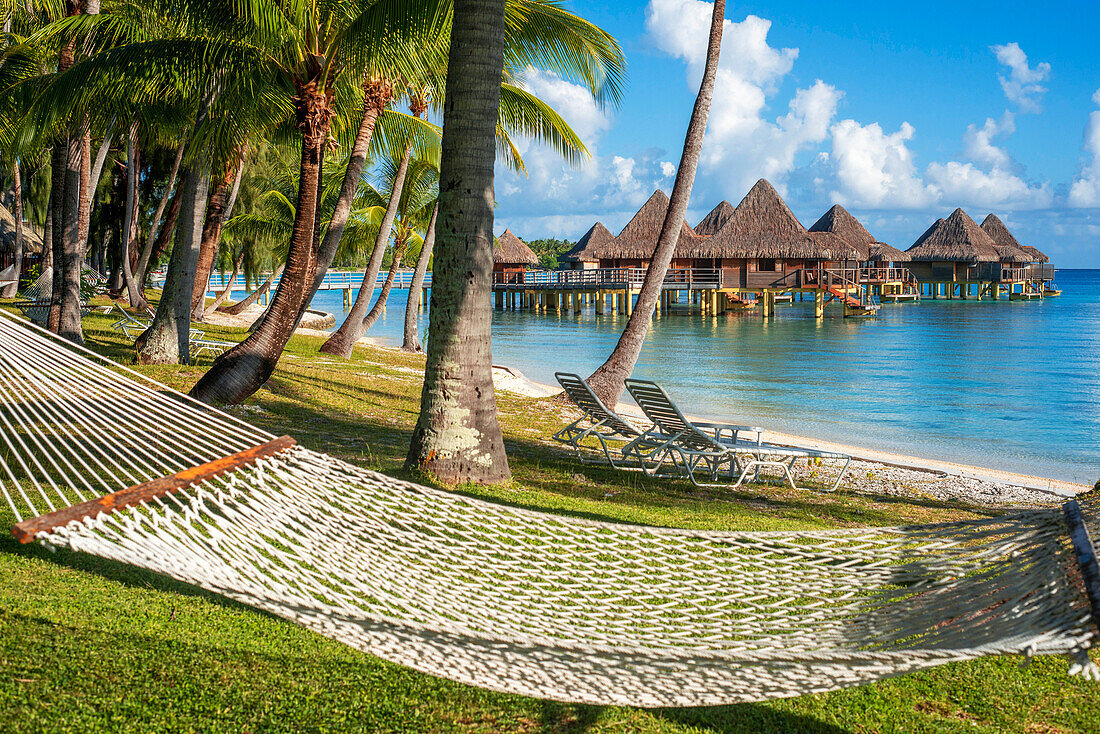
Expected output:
{"points": [[688, 448]]}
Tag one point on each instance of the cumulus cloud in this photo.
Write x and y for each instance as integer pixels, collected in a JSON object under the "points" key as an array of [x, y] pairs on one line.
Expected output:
{"points": [[553, 196], [991, 177], [1022, 84], [875, 169], [1085, 190], [742, 144]]}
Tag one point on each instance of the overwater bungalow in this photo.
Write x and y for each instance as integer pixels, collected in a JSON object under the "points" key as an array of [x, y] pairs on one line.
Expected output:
{"points": [[582, 256], [1030, 262], [511, 258], [955, 258], [882, 267]]}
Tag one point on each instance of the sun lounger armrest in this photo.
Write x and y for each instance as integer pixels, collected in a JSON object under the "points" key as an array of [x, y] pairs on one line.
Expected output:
{"points": [[718, 430]]}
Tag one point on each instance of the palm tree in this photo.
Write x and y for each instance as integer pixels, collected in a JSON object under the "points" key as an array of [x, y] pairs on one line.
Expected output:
{"points": [[539, 34], [457, 436], [609, 379], [343, 339]]}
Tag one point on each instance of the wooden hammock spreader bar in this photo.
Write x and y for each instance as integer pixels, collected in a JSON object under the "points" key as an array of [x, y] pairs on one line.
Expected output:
{"points": [[1085, 550], [26, 531]]}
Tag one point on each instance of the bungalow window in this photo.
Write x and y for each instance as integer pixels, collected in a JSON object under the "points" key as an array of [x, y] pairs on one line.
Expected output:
{"points": [[766, 265]]}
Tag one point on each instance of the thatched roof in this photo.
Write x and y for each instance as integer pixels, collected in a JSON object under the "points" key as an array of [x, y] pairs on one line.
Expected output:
{"points": [[512, 250], [1037, 255], [839, 221], [713, 222], [587, 246], [1010, 249], [886, 253], [763, 226], [955, 239], [639, 237], [32, 238]]}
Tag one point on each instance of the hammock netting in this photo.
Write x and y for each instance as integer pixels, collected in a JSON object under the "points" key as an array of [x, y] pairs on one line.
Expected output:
{"points": [[511, 599]]}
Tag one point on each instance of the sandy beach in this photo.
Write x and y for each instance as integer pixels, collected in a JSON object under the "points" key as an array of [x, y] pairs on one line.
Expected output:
{"points": [[871, 470]]}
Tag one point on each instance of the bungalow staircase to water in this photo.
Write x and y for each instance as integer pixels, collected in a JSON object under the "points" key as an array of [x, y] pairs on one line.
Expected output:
{"points": [[857, 298]]}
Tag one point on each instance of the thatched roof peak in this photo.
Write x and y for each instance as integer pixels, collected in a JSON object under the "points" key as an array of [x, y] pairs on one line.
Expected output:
{"points": [[712, 222], [512, 250], [763, 226], [955, 239], [839, 221], [1006, 244], [764, 212], [587, 247], [638, 239]]}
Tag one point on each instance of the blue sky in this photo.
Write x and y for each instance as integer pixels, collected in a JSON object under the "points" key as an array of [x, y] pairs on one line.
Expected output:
{"points": [[900, 113]]}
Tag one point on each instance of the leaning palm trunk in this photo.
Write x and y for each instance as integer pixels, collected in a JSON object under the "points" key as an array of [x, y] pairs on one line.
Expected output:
{"points": [[212, 230], [12, 288], [228, 287], [147, 252], [343, 339], [608, 380], [457, 436], [411, 342], [242, 370], [384, 295], [377, 92], [254, 296]]}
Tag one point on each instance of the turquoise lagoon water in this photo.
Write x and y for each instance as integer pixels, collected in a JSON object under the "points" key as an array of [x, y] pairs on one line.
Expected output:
{"points": [[1013, 385]]}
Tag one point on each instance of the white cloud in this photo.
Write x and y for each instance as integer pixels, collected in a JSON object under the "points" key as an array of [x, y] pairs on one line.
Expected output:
{"points": [[553, 194], [978, 142], [741, 144], [991, 177], [668, 169], [1085, 190], [1022, 85], [966, 184], [875, 169]]}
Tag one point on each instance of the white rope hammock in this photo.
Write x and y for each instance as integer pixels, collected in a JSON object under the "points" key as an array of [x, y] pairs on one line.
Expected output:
{"points": [[510, 599]]}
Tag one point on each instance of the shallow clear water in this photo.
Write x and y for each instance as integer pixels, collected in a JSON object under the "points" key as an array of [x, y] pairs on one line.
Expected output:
{"points": [[1012, 385]]}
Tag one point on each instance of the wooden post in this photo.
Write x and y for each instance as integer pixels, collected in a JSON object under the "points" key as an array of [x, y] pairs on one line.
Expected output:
{"points": [[26, 531], [628, 297], [819, 304], [600, 302]]}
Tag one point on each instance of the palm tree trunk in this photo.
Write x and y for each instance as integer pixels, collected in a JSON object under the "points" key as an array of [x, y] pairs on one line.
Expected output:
{"points": [[457, 437], [211, 233], [72, 252], [377, 92], [411, 342], [57, 211], [101, 155], [84, 219], [47, 235], [147, 251], [342, 341], [129, 218], [17, 210], [164, 236], [228, 286], [384, 295], [242, 370], [166, 340], [254, 296], [608, 381]]}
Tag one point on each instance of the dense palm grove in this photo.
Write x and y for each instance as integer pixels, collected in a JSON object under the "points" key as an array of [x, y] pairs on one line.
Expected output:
{"points": [[280, 137]]}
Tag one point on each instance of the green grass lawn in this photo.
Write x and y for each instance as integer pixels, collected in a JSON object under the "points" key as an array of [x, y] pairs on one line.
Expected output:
{"points": [[90, 645]]}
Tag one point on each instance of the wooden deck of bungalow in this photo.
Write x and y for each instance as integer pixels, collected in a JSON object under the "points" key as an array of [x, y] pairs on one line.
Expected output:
{"points": [[983, 280], [713, 290]]}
